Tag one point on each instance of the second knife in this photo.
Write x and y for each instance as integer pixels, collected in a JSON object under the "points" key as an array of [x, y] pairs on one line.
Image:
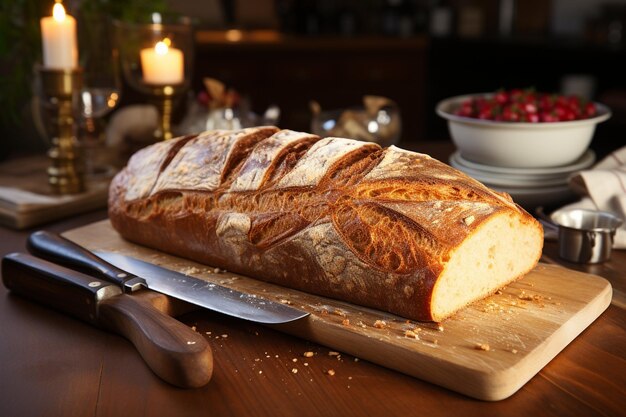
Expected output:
{"points": [[132, 274]]}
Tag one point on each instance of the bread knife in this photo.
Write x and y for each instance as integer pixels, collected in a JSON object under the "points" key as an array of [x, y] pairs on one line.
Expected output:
{"points": [[171, 349], [133, 274]]}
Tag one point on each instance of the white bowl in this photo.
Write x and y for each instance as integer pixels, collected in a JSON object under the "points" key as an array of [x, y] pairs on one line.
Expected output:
{"points": [[519, 144]]}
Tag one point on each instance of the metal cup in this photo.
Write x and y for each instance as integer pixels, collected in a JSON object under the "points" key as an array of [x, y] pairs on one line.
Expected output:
{"points": [[585, 236]]}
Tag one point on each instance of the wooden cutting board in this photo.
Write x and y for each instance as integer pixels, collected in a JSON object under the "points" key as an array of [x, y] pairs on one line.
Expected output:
{"points": [[488, 351]]}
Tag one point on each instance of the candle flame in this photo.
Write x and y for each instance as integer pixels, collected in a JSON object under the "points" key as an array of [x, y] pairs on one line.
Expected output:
{"points": [[58, 12], [161, 48]]}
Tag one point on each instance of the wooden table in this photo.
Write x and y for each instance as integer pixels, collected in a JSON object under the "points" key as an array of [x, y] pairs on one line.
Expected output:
{"points": [[53, 365]]}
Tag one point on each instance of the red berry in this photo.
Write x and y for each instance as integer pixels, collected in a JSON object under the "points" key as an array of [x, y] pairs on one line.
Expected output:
{"points": [[546, 102], [533, 117], [501, 97], [548, 117], [590, 110], [529, 107], [559, 111], [516, 94], [484, 114], [510, 114], [465, 110], [569, 115]]}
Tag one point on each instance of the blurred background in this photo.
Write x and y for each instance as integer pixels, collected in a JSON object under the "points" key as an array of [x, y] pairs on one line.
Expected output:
{"points": [[414, 52]]}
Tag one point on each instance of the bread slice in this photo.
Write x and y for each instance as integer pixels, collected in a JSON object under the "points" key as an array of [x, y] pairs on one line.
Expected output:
{"points": [[385, 228]]}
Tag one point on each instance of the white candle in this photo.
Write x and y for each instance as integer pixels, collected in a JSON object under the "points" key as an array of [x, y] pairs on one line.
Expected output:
{"points": [[162, 65], [58, 35]]}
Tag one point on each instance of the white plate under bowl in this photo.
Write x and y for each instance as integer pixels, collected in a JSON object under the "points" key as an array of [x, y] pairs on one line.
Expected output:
{"points": [[510, 180], [585, 161], [529, 198]]}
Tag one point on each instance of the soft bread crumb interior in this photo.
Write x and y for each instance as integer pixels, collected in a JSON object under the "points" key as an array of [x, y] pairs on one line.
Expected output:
{"points": [[500, 250]]}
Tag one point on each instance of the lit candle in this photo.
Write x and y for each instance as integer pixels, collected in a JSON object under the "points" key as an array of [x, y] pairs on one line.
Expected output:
{"points": [[58, 34], [162, 65]]}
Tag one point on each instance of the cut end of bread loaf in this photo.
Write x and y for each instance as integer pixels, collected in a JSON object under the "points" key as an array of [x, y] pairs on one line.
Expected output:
{"points": [[500, 250]]}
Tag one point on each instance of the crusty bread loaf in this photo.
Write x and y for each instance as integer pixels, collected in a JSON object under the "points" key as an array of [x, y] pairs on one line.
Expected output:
{"points": [[385, 228]]}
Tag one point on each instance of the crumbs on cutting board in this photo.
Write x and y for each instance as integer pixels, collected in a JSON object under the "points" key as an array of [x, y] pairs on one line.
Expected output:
{"points": [[411, 334], [380, 324]]}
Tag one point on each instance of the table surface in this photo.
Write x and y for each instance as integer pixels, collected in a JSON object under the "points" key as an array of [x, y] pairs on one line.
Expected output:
{"points": [[54, 365]]}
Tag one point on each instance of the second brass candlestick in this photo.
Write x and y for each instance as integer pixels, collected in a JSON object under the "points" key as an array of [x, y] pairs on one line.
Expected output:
{"points": [[164, 99], [65, 174]]}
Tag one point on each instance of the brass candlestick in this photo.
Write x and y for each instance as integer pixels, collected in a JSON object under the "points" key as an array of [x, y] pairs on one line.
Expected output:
{"points": [[164, 98], [65, 174], [161, 46]]}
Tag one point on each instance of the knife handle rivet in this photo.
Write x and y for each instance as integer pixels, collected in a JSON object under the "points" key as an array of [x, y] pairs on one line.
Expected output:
{"points": [[94, 284], [121, 275]]}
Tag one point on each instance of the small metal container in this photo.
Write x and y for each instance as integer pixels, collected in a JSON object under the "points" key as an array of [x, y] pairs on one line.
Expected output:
{"points": [[585, 236]]}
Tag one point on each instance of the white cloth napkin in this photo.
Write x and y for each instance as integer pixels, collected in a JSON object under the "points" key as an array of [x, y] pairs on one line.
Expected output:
{"points": [[604, 188]]}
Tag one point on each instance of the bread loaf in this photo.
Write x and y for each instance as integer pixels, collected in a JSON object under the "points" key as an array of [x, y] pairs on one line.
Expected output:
{"points": [[384, 228]]}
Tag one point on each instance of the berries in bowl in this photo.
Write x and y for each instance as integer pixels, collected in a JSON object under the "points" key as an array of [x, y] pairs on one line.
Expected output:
{"points": [[522, 128]]}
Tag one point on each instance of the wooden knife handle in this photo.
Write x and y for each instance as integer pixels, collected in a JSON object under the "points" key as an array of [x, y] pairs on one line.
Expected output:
{"points": [[63, 289], [173, 351]]}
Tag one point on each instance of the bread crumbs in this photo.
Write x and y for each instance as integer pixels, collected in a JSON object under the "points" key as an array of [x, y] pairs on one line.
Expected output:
{"points": [[482, 346], [191, 270], [380, 324], [331, 372], [411, 334], [346, 322], [308, 354]]}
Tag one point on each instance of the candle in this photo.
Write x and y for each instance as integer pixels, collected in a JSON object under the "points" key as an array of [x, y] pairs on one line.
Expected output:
{"points": [[58, 34], [162, 65]]}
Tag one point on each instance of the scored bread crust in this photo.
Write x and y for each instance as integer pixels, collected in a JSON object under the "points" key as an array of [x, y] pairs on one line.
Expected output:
{"points": [[384, 228]]}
